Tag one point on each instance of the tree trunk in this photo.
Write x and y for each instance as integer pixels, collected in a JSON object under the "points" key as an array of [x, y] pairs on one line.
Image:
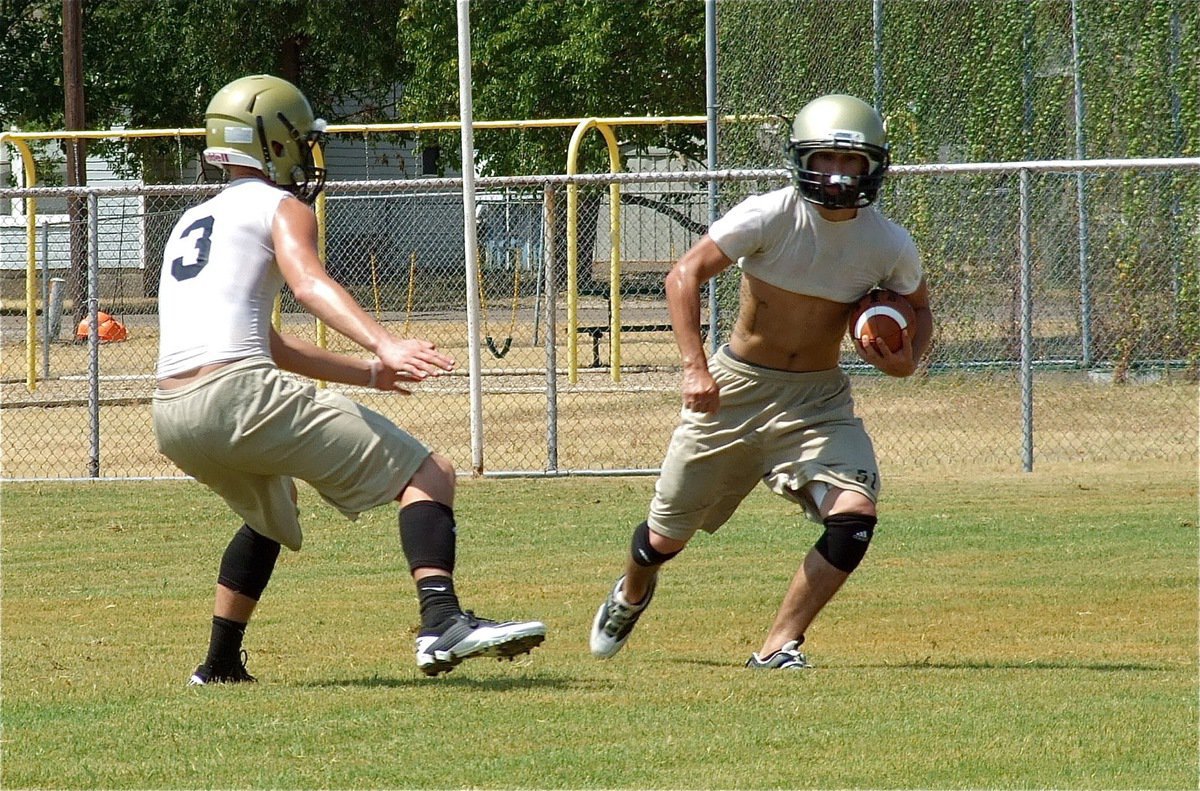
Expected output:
{"points": [[76, 150]]}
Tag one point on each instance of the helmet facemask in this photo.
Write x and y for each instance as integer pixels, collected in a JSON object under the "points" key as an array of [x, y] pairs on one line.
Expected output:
{"points": [[838, 190], [305, 180]]}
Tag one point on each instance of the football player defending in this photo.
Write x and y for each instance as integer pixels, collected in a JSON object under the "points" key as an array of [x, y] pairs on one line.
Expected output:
{"points": [[772, 404], [227, 416]]}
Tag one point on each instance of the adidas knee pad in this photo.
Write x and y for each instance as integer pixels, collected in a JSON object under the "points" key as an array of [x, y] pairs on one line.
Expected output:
{"points": [[248, 563], [427, 535], [845, 540], [641, 550]]}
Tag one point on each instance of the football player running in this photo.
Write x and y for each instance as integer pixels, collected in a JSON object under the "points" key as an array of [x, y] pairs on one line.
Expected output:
{"points": [[772, 404], [226, 415]]}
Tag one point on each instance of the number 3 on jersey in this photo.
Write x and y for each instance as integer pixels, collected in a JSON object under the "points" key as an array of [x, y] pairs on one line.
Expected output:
{"points": [[182, 271]]}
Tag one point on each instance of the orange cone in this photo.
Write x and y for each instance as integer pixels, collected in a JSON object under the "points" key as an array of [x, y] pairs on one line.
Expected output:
{"points": [[110, 330]]}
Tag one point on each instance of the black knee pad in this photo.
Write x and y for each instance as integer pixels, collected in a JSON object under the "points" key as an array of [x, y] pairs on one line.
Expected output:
{"points": [[427, 535], [845, 540], [248, 562], [644, 554]]}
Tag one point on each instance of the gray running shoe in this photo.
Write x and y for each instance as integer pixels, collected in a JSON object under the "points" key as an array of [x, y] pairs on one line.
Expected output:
{"points": [[466, 636], [615, 620], [786, 658]]}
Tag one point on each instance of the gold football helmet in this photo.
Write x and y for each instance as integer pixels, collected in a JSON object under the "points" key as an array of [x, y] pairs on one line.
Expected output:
{"points": [[838, 122], [264, 122]]}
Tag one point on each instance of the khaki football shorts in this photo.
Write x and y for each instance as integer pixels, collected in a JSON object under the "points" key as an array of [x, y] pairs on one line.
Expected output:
{"points": [[782, 428], [246, 431]]}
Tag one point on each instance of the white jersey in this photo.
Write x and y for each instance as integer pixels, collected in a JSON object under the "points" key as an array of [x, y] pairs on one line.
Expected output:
{"points": [[782, 239], [219, 280]]}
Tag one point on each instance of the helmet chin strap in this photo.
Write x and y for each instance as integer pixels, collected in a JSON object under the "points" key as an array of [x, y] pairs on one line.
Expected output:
{"points": [[268, 164], [847, 196]]}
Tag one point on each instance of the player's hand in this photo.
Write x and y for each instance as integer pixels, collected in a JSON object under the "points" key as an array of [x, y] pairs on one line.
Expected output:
{"points": [[411, 360], [385, 379], [899, 363], [700, 391]]}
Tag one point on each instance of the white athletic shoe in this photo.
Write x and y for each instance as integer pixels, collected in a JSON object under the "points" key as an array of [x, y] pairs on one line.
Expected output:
{"points": [[465, 636], [787, 658], [615, 620]]}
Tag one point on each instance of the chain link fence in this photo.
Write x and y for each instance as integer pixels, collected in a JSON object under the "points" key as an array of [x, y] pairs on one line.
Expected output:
{"points": [[1110, 257], [968, 81], [1066, 298], [1050, 345]]}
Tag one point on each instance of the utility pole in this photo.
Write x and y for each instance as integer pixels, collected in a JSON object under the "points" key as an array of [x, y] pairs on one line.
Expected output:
{"points": [[76, 150]]}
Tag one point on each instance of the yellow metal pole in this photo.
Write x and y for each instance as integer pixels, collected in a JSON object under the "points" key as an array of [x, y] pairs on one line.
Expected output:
{"points": [[31, 337], [573, 253], [614, 262], [408, 302], [375, 284], [319, 208], [335, 129], [614, 192]]}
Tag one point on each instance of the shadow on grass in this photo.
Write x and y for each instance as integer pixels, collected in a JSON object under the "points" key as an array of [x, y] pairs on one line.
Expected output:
{"points": [[460, 681], [1102, 667]]}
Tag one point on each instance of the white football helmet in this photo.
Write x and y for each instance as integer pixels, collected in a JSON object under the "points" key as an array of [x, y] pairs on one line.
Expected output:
{"points": [[264, 122]]}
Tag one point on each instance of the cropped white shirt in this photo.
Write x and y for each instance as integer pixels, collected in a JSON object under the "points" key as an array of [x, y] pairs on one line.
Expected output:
{"points": [[781, 239]]}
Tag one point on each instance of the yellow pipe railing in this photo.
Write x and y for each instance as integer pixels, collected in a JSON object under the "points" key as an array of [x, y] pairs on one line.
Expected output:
{"points": [[19, 140], [614, 197], [30, 262], [319, 208], [604, 126]]}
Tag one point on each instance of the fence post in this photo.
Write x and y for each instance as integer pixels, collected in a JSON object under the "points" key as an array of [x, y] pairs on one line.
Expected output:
{"points": [[470, 242], [58, 288], [46, 300], [551, 293], [877, 41], [1085, 275], [93, 303], [1026, 376], [710, 59]]}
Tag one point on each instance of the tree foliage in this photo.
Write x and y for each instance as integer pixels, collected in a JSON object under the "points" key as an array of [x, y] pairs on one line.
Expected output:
{"points": [[156, 63], [562, 59]]}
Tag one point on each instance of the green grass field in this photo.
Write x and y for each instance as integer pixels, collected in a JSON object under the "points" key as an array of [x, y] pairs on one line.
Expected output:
{"points": [[1008, 631]]}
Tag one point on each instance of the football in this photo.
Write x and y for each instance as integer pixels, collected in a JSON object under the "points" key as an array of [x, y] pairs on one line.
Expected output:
{"points": [[881, 314]]}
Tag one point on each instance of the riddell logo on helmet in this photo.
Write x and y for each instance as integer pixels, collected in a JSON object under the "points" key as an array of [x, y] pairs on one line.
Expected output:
{"points": [[216, 157]]}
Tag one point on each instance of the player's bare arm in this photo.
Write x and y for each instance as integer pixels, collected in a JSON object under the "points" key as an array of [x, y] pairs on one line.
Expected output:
{"points": [[295, 237], [698, 265], [307, 359], [916, 340]]}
